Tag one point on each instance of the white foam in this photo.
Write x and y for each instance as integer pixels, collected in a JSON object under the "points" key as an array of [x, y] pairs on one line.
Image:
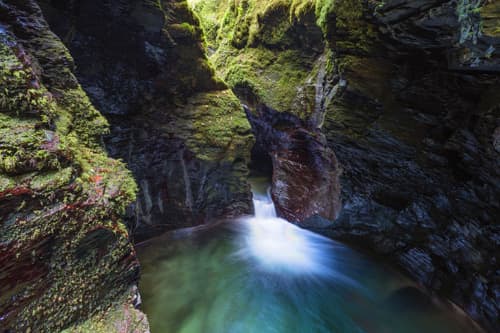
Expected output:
{"points": [[278, 245]]}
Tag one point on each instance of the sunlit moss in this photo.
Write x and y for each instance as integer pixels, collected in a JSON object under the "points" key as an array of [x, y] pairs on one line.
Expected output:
{"points": [[256, 51]]}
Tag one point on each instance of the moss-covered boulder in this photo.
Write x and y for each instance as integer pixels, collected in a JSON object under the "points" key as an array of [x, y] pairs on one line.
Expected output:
{"points": [[65, 253]]}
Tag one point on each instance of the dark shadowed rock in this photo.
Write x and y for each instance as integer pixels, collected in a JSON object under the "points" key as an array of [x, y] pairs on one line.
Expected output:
{"points": [[179, 129]]}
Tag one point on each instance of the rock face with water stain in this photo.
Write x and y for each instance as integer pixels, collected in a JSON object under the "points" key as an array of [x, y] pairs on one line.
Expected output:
{"points": [[404, 92], [179, 129], [65, 253]]}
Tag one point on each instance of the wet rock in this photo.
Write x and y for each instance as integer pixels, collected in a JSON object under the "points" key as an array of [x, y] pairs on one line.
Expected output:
{"points": [[417, 152], [305, 172], [420, 264], [410, 299]]}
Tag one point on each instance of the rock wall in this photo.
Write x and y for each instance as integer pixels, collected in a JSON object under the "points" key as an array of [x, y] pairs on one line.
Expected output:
{"points": [[273, 56], [65, 253], [405, 94], [414, 125], [179, 129]]}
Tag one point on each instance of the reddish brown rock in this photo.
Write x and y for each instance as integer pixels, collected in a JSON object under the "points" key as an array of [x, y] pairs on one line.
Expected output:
{"points": [[305, 171]]}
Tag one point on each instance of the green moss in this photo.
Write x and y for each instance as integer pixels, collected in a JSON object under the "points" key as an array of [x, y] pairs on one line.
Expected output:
{"points": [[78, 117], [61, 186], [24, 147], [184, 30], [218, 128], [270, 77], [490, 16], [257, 52], [344, 25], [249, 22], [20, 90], [52, 180], [118, 319]]}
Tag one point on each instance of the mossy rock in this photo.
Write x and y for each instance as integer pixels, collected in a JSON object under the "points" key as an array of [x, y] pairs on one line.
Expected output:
{"points": [[490, 16], [57, 186], [260, 49], [216, 127], [120, 318]]}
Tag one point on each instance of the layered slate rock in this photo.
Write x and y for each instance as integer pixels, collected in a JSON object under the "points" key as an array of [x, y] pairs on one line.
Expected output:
{"points": [[413, 123], [65, 253], [405, 93], [180, 130]]}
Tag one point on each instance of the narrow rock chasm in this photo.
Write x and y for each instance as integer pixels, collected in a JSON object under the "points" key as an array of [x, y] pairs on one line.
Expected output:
{"points": [[377, 121]]}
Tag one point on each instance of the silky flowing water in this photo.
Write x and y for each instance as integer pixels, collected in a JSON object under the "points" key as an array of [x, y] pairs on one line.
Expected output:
{"points": [[262, 274]]}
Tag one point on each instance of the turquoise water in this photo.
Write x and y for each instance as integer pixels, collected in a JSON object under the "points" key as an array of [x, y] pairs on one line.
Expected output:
{"points": [[263, 275]]}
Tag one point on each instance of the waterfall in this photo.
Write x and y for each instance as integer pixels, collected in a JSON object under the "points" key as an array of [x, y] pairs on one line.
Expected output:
{"points": [[262, 274], [276, 245]]}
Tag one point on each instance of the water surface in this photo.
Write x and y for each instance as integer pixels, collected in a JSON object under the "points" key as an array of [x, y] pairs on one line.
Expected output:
{"points": [[262, 274]]}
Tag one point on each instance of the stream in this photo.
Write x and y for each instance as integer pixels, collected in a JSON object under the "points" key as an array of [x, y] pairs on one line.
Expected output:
{"points": [[262, 274]]}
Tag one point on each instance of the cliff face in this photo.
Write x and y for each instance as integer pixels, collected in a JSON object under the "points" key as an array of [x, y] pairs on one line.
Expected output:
{"points": [[404, 92], [273, 56], [64, 249], [179, 129], [414, 126]]}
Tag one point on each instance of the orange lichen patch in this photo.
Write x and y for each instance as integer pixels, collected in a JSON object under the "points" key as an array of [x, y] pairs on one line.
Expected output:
{"points": [[97, 179]]}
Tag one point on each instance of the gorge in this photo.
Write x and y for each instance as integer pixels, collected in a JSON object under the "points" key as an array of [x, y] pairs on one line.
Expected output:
{"points": [[377, 122]]}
